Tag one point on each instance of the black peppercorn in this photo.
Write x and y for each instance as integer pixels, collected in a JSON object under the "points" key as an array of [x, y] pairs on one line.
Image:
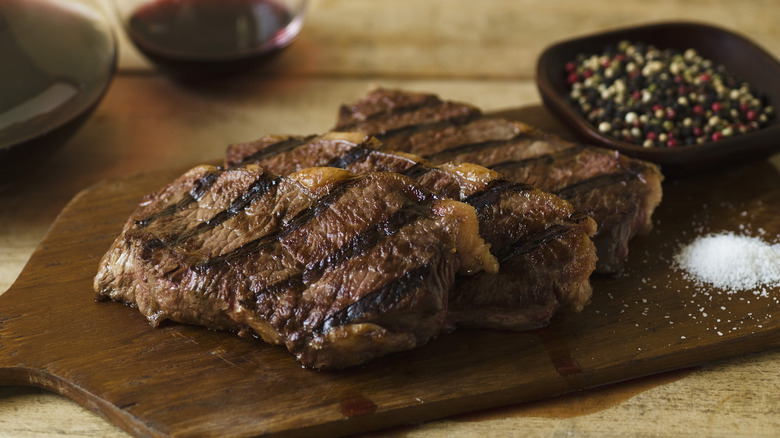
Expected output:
{"points": [[663, 98]]}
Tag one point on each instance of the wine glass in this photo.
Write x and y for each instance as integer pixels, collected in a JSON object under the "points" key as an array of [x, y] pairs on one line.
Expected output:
{"points": [[57, 60], [196, 38]]}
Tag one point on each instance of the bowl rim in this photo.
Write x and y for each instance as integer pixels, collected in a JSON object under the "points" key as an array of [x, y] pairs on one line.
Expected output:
{"points": [[717, 152]]}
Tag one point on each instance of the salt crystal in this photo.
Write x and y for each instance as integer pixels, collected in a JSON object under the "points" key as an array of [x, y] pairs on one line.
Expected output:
{"points": [[730, 261]]}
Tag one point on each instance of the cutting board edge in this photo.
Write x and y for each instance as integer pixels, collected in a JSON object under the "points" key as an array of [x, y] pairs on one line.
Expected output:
{"points": [[31, 377], [440, 409]]}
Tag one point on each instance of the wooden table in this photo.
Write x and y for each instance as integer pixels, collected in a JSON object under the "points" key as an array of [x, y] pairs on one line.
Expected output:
{"points": [[480, 52]]}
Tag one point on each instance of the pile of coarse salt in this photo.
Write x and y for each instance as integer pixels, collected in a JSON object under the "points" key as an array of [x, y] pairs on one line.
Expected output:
{"points": [[731, 262]]}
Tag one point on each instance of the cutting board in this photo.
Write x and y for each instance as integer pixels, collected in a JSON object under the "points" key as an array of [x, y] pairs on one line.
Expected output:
{"points": [[180, 380]]}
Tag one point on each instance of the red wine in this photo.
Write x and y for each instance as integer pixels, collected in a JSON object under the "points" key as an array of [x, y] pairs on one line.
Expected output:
{"points": [[56, 62], [210, 36]]}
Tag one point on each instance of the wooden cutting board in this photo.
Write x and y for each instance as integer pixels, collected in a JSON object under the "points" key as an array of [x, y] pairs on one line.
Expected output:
{"points": [[186, 381]]}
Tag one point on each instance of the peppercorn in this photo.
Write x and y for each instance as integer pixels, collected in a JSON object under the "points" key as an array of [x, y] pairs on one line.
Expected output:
{"points": [[662, 97]]}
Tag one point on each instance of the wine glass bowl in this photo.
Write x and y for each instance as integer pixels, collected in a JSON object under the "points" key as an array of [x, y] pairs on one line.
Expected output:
{"points": [[58, 59], [196, 38]]}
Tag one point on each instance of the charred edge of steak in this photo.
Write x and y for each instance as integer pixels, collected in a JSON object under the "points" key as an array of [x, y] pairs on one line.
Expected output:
{"points": [[199, 188], [274, 149], [374, 301]]}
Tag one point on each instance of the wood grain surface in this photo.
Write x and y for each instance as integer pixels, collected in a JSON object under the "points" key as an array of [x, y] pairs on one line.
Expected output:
{"points": [[485, 55], [186, 381]]}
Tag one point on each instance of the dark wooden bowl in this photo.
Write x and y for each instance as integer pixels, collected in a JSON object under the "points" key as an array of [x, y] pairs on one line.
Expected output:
{"points": [[741, 57]]}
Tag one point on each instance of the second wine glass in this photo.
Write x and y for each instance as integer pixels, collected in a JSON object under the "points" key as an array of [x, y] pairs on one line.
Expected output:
{"points": [[192, 38]]}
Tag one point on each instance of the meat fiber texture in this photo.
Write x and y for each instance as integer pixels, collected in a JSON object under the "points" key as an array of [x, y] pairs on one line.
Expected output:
{"points": [[619, 192], [339, 268], [543, 246]]}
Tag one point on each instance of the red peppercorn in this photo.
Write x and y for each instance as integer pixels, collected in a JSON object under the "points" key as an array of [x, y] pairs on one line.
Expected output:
{"points": [[717, 136], [651, 135], [671, 143], [573, 78], [751, 115], [587, 73], [698, 109], [670, 113], [571, 66], [717, 106], [704, 77]]}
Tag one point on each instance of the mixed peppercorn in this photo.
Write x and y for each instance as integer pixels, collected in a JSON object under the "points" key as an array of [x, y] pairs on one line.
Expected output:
{"points": [[663, 98]]}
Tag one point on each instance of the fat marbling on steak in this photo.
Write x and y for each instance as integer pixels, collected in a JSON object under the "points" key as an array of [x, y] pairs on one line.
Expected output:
{"points": [[543, 246], [340, 268], [619, 192]]}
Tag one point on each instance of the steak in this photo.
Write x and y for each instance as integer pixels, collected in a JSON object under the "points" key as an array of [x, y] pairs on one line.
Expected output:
{"points": [[544, 249], [340, 268], [619, 192]]}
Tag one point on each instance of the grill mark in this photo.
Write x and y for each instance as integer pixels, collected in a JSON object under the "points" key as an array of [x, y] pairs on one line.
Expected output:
{"points": [[354, 155], [530, 243], [359, 244], [393, 111], [456, 120], [417, 171], [491, 194], [200, 187], [544, 159], [274, 149], [301, 219], [259, 188], [389, 292], [590, 184], [368, 239], [350, 157], [451, 153]]}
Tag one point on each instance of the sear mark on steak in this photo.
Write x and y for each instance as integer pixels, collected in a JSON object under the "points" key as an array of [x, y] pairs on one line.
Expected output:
{"points": [[340, 268], [543, 247], [619, 192]]}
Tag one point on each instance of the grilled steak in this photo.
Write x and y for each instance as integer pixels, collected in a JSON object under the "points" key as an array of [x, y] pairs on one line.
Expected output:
{"points": [[619, 192], [544, 249], [338, 267]]}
